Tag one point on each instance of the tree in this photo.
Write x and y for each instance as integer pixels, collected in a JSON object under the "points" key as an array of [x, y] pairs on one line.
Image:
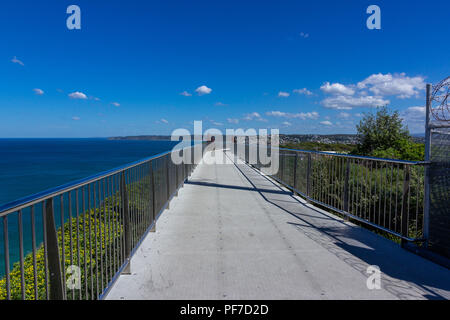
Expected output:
{"points": [[383, 135]]}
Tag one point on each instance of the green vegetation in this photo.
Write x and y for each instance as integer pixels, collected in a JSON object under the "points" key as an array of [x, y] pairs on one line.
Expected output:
{"points": [[319, 146], [92, 236], [380, 135], [383, 135], [375, 189], [97, 243]]}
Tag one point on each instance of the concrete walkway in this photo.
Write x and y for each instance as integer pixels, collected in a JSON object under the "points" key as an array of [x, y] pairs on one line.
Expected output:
{"points": [[233, 233]]}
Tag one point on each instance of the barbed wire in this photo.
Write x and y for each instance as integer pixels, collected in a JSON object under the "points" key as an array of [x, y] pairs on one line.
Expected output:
{"points": [[440, 97]]}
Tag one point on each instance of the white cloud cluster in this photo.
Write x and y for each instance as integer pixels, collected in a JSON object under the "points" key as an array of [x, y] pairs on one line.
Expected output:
{"points": [[233, 120], [344, 115], [75, 118], [304, 91], [202, 90], [302, 115], [77, 95], [372, 91], [186, 94], [253, 116], [304, 35], [115, 104], [337, 88], [326, 123], [39, 92], [164, 121], [15, 60], [283, 94], [398, 85], [414, 117], [341, 102]]}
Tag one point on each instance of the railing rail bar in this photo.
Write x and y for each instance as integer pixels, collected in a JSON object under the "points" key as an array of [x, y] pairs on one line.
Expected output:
{"points": [[350, 215], [22, 203]]}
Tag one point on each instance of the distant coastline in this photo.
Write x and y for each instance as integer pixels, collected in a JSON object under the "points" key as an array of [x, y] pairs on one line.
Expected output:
{"points": [[145, 137], [284, 138]]}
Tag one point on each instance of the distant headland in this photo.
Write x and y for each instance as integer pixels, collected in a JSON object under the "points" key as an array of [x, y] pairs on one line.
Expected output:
{"points": [[145, 137]]}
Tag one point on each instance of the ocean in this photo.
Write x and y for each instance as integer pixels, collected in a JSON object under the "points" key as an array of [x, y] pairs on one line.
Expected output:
{"points": [[28, 166]]}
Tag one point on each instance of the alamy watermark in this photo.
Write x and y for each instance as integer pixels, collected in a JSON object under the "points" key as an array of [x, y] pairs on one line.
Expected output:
{"points": [[374, 20], [257, 147], [74, 20], [373, 282]]}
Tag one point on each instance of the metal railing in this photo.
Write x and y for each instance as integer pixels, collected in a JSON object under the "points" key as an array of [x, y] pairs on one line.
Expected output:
{"points": [[73, 241], [383, 193]]}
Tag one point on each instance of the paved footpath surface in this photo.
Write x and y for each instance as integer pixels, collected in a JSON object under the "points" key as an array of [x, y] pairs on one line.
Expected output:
{"points": [[233, 233]]}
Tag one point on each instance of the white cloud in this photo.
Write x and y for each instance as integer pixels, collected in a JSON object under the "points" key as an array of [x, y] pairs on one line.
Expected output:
{"points": [[347, 102], [232, 120], [286, 123], [283, 94], [15, 60], [164, 121], [203, 90], [253, 116], [414, 117], [216, 123], [304, 35], [39, 92], [398, 85], [303, 91], [337, 88], [372, 91], [344, 115], [326, 123], [75, 118], [186, 94], [115, 104], [77, 95], [220, 104], [301, 115], [417, 110]]}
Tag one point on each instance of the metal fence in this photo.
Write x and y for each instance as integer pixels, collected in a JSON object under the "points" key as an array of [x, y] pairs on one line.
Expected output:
{"points": [[383, 193], [72, 242], [439, 182]]}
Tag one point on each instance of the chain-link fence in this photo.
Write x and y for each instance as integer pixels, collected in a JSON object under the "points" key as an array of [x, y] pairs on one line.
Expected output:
{"points": [[439, 173]]}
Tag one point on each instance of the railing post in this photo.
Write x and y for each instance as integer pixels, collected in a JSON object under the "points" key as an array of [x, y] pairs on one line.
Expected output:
{"points": [[182, 168], [308, 176], [281, 171], [153, 197], [426, 211], [54, 264], [405, 208], [177, 182], [167, 182], [126, 224], [346, 186], [257, 152], [295, 170]]}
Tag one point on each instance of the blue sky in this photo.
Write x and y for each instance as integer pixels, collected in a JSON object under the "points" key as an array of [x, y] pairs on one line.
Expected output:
{"points": [[300, 66]]}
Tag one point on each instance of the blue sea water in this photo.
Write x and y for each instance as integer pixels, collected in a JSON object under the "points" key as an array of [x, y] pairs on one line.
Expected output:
{"points": [[28, 166]]}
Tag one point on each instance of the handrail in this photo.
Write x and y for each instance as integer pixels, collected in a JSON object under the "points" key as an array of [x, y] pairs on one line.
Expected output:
{"points": [[55, 191], [93, 225], [357, 157], [383, 193]]}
